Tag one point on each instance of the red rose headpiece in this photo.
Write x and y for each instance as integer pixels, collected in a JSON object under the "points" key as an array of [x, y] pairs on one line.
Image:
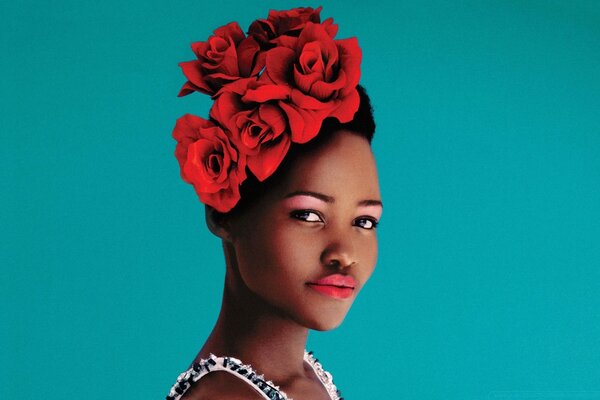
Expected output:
{"points": [[271, 88]]}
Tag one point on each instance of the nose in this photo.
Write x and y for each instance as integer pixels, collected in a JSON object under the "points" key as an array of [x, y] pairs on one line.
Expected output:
{"points": [[339, 253]]}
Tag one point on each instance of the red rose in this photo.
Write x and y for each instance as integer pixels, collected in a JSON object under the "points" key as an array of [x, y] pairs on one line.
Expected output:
{"points": [[224, 58], [209, 162], [322, 73], [280, 26], [258, 125]]}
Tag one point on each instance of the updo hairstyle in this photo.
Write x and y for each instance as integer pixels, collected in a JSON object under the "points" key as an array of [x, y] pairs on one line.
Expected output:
{"points": [[363, 124]]}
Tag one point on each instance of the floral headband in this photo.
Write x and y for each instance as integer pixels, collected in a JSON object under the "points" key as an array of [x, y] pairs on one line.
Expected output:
{"points": [[271, 87]]}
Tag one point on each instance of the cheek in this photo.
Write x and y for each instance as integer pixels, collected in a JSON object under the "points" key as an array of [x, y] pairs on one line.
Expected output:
{"points": [[369, 253], [295, 248], [276, 256]]}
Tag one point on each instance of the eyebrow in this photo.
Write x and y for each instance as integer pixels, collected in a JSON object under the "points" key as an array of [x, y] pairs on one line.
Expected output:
{"points": [[370, 203], [329, 199]]}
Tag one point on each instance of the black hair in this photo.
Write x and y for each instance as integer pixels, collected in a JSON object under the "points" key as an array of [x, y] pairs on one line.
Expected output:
{"points": [[362, 124]]}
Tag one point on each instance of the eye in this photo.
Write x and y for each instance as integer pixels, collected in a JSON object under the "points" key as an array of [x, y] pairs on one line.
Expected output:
{"points": [[307, 215], [366, 222]]}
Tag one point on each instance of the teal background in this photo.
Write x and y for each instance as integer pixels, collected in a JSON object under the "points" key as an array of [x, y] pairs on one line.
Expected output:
{"points": [[488, 146]]}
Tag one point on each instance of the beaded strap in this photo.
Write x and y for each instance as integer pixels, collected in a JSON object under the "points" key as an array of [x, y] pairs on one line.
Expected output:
{"points": [[324, 376], [266, 388]]}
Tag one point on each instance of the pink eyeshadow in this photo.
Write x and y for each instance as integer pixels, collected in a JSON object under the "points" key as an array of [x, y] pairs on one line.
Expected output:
{"points": [[301, 201], [374, 211]]}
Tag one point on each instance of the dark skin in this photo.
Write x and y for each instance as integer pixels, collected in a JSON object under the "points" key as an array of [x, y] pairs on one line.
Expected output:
{"points": [[318, 221]]}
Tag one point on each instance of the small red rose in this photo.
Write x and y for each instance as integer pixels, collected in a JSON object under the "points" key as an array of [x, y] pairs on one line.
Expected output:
{"points": [[225, 58], [281, 26], [322, 73], [209, 162], [258, 125]]}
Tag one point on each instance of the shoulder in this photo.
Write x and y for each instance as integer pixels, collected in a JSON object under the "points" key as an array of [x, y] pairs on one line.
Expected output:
{"points": [[221, 385]]}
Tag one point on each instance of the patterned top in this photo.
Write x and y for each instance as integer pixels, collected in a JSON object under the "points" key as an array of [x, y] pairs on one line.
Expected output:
{"points": [[267, 389]]}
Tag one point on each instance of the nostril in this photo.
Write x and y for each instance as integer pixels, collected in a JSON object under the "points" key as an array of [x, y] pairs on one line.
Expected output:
{"points": [[338, 256], [337, 264]]}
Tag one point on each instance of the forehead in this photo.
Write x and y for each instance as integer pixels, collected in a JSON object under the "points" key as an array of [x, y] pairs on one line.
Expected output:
{"points": [[342, 165]]}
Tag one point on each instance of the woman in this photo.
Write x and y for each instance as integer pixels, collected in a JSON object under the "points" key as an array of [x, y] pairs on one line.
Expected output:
{"points": [[288, 177]]}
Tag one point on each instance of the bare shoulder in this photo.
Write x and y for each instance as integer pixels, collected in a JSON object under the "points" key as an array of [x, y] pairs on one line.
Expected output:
{"points": [[221, 385]]}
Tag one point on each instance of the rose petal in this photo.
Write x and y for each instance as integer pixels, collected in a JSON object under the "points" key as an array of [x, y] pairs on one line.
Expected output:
{"points": [[295, 121], [224, 108], [195, 167], [221, 78], [330, 27], [246, 53], [350, 59], [231, 30], [186, 128], [316, 33], [274, 117], [200, 49], [304, 124], [308, 102], [266, 93], [262, 30], [347, 107], [310, 60], [279, 61], [223, 200], [249, 131], [188, 88], [259, 64], [305, 82], [217, 46], [192, 71], [238, 86], [325, 90], [285, 41], [268, 159], [227, 63]]}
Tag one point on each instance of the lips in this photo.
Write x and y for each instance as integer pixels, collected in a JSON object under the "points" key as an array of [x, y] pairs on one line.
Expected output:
{"points": [[337, 286]]}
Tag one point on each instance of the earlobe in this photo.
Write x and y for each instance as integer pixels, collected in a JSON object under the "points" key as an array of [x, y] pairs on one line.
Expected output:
{"points": [[217, 223]]}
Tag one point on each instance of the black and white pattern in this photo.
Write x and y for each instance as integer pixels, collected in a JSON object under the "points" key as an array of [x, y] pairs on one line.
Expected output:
{"points": [[266, 388]]}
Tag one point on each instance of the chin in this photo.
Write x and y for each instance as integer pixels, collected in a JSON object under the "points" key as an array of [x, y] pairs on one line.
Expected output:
{"points": [[324, 322], [325, 327]]}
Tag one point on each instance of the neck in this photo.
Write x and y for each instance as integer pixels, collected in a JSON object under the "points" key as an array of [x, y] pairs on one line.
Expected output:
{"points": [[254, 331]]}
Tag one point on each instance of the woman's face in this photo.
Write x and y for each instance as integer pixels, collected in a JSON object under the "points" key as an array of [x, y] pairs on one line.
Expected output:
{"points": [[308, 246]]}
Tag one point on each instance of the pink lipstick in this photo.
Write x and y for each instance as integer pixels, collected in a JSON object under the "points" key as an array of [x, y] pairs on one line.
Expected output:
{"points": [[337, 286]]}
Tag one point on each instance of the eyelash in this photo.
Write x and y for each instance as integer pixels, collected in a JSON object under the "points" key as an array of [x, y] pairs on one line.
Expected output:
{"points": [[373, 221], [300, 213]]}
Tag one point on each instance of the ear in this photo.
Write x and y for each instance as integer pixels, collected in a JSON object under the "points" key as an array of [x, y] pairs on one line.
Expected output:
{"points": [[217, 223]]}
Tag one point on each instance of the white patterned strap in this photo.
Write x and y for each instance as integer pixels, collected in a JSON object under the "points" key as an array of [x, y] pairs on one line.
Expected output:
{"points": [[265, 388], [324, 376]]}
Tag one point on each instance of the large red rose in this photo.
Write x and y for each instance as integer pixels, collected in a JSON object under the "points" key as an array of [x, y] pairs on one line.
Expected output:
{"points": [[281, 26], [223, 59], [322, 73], [209, 162], [258, 125]]}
